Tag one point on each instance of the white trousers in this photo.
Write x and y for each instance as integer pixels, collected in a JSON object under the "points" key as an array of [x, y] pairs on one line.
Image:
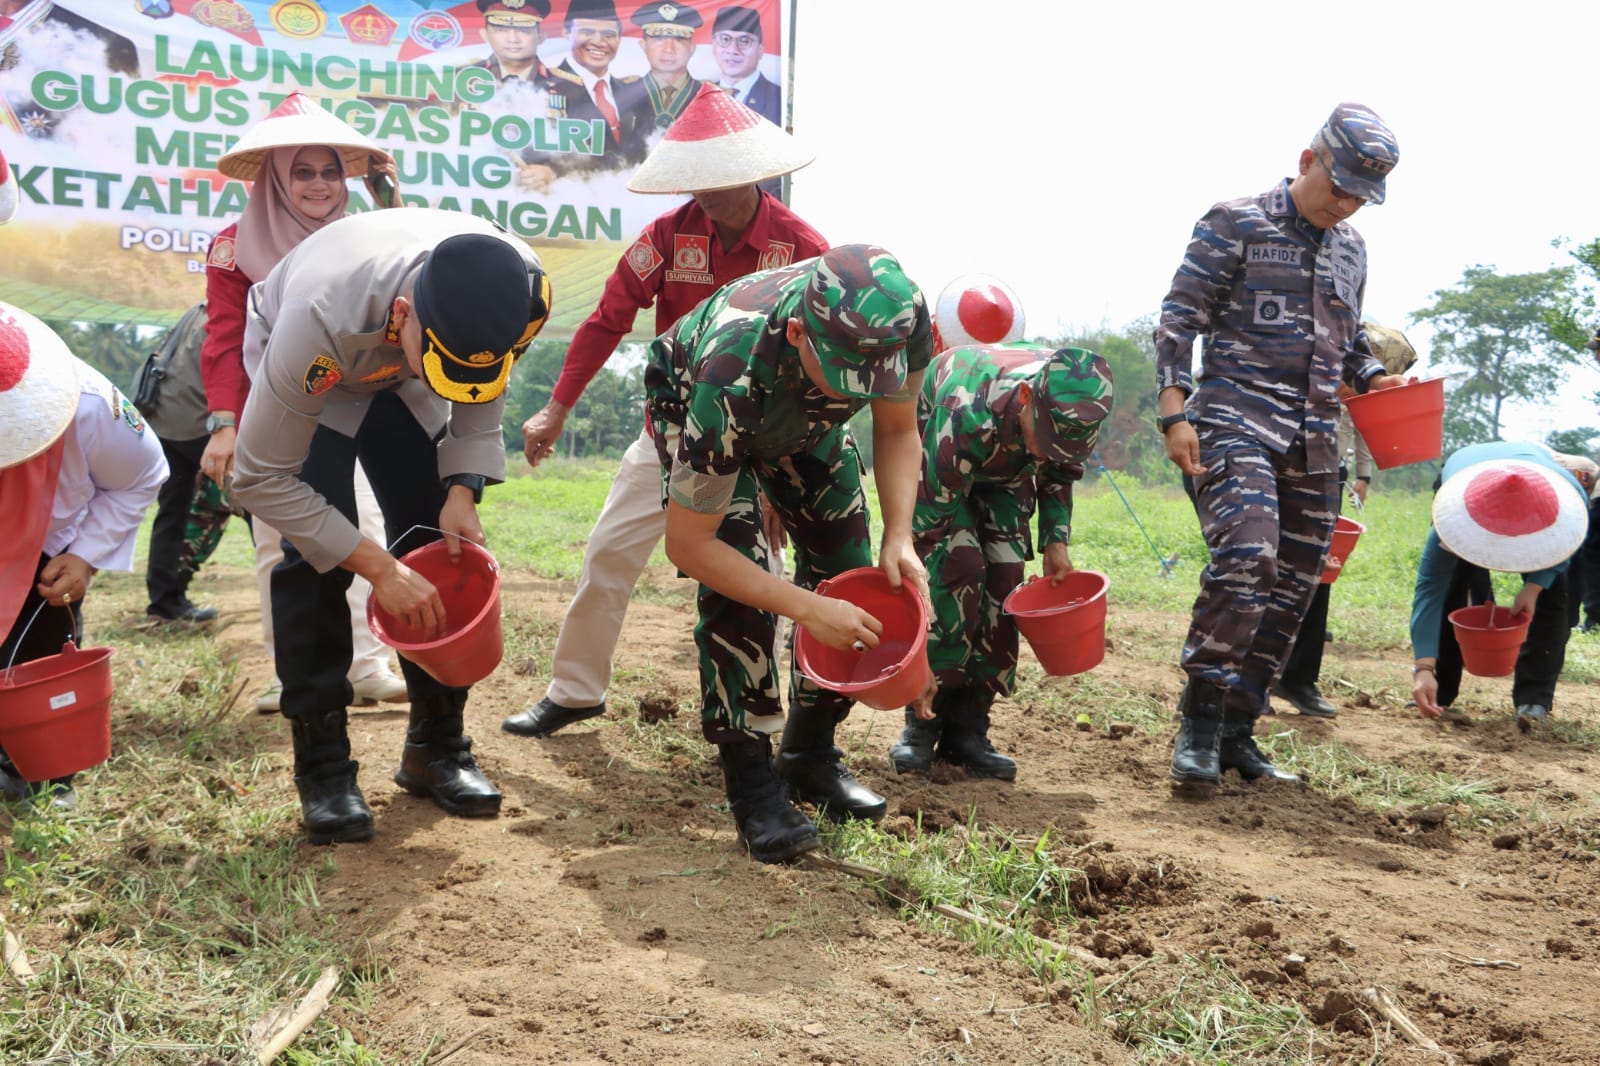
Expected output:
{"points": [[630, 525], [370, 657]]}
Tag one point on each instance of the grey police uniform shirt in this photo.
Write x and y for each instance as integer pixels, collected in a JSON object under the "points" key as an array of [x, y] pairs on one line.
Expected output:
{"points": [[1279, 306], [315, 350]]}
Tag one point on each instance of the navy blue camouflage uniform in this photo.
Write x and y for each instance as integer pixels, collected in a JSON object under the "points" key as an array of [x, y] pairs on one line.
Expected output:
{"points": [[1278, 303]]}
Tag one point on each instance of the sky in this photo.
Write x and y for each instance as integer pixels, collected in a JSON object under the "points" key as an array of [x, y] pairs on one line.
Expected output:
{"points": [[1069, 148]]}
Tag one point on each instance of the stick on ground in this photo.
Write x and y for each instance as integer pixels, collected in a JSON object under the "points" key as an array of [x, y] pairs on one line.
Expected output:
{"points": [[309, 1009]]}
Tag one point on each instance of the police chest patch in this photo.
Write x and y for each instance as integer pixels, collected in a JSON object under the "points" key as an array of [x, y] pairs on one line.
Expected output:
{"points": [[642, 257], [123, 408], [1287, 254], [383, 373], [221, 255], [777, 255], [322, 375]]}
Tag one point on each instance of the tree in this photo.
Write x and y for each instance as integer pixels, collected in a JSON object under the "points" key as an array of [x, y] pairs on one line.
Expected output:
{"points": [[1498, 328], [1580, 441], [1128, 439]]}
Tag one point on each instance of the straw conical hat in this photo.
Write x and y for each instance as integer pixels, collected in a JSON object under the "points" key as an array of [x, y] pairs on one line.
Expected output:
{"points": [[1510, 514], [38, 386], [717, 143], [298, 122], [8, 193], [977, 309]]}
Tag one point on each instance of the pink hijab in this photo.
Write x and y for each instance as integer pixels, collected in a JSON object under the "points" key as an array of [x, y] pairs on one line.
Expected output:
{"points": [[271, 225]]}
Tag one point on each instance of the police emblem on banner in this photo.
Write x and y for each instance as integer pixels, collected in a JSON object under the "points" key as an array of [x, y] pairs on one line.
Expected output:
{"points": [[642, 258], [322, 375], [777, 255], [691, 259], [221, 255]]}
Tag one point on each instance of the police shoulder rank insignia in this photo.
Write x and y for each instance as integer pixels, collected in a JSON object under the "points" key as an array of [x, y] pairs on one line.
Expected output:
{"points": [[221, 255], [322, 375], [643, 258], [122, 407], [777, 254]]}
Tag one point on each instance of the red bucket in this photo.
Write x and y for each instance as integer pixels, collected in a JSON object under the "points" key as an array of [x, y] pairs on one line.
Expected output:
{"points": [[1490, 638], [472, 643], [886, 677], [1401, 425], [1346, 531], [1064, 624], [55, 713]]}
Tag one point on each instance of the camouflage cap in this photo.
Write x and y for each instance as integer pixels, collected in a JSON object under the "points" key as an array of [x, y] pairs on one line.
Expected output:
{"points": [[1391, 347], [1071, 397], [859, 309], [1362, 148]]}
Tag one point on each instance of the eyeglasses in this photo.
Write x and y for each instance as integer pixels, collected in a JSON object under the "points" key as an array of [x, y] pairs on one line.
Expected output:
{"points": [[742, 41], [1338, 193], [331, 174]]}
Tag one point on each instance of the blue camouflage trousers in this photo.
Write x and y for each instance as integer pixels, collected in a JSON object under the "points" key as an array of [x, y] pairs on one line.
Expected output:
{"points": [[1268, 523]]}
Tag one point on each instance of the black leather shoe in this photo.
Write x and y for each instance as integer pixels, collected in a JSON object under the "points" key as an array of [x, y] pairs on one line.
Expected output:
{"points": [[1306, 699], [1529, 713], [1196, 752], [964, 741], [187, 613], [546, 717], [823, 780], [444, 770], [770, 828], [913, 752], [1241, 755], [331, 804]]}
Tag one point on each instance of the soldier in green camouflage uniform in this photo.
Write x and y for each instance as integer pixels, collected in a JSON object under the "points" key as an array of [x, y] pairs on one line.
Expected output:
{"points": [[755, 386], [1003, 428]]}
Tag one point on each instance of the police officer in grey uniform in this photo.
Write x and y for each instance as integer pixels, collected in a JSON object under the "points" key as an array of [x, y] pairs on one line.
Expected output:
{"points": [[1274, 284], [387, 336]]}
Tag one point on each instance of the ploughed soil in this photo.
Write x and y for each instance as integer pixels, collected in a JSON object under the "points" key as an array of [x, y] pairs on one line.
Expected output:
{"points": [[607, 915]]}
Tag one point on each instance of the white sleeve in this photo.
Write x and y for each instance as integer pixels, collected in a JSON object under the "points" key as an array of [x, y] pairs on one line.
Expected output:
{"points": [[127, 469]]}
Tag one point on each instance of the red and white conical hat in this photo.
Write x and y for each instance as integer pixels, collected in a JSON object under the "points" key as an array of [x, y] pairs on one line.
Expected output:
{"points": [[8, 192], [298, 122], [977, 309], [1510, 514], [38, 386], [717, 143]]}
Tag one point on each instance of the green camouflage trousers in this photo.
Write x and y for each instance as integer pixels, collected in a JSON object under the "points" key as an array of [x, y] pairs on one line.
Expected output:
{"points": [[818, 494], [208, 518], [974, 561]]}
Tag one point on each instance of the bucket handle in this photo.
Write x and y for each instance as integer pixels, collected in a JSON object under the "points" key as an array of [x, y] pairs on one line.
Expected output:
{"points": [[75, 638], [435, 529]]}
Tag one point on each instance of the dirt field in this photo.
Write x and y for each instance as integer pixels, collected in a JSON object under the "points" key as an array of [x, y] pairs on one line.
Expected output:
{"points": [[606, 916]]}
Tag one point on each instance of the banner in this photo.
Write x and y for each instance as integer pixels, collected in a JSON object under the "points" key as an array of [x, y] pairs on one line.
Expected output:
{"points": [[114, 113]]}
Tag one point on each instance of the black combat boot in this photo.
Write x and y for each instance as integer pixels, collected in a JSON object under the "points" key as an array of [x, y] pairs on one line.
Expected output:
{"points": [[811, 764], [331, 804], [437, 760], [913, 752], [770, 827], [1196, 752], [965, 739], [1238, 749]]}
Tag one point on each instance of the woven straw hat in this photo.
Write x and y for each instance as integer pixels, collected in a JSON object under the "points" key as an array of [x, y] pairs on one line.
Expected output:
{"points": [[1510, 514], [38, 386], [976, 309], [8, 193], [717, 143], [298, 121]]}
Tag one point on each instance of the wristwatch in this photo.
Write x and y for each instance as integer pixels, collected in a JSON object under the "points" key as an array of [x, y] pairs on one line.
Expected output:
{"points": [[475, 482], [215, 422], [1166, 422]]}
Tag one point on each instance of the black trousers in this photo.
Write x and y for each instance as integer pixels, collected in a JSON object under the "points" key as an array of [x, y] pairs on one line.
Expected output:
{"points": [[54, 626], [1585, 570], [1544, 649], [310, 620], [165, 577]]}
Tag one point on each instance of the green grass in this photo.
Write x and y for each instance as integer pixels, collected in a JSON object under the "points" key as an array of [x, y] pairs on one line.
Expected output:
{"points": [[177, 905]]}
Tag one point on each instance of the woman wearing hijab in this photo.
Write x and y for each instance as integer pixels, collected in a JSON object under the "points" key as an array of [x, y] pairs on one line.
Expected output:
{"points": [[299, 158]]}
